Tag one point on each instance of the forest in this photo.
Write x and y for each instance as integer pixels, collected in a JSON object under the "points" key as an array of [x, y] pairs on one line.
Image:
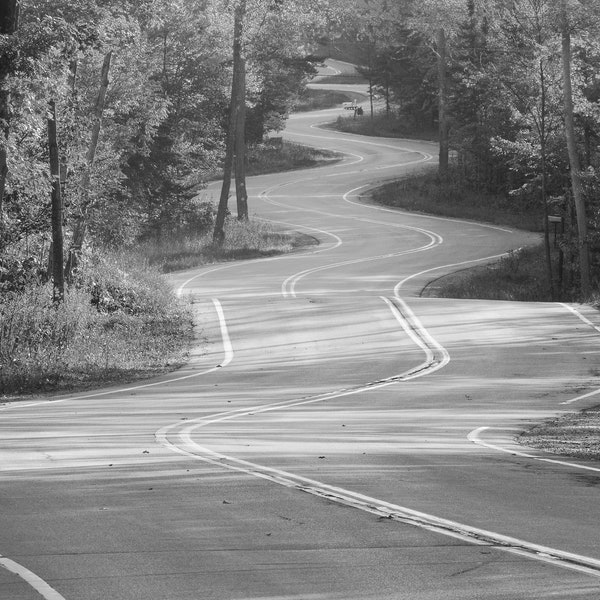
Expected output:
{"points": [[114, 116]]}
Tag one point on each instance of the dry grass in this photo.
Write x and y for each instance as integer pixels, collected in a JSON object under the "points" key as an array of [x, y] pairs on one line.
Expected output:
{"points": [[276, 156], [576, 435], [243, 240], [520, 276]]}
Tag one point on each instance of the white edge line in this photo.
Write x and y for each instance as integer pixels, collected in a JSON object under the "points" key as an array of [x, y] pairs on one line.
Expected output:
{"points": [[227, 346], [593, 326], [580, 316], [37, 583], [474, 436], [588, 395], [458, 264]]}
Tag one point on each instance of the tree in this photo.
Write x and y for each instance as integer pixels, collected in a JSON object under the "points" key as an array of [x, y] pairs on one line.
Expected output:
{"points": [[574, 162], [9, 23], [257, 25], [57, 256], [233, 138]]}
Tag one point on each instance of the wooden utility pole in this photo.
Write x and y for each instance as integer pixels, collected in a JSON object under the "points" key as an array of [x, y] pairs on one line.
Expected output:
{"points": [[230, 144], [9, 23], [81, 223], [57, 210], [442, 108], [574, 163]]}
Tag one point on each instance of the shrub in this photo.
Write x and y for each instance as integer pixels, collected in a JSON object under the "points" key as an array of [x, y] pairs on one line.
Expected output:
{"points": [[113, 324]]}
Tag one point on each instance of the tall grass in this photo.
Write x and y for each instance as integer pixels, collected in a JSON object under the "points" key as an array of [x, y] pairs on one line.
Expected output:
{"points": [[243, 240], [275, 156], [381, 125], [425, 192], [520, 276], [116, 323], [316, 99]]}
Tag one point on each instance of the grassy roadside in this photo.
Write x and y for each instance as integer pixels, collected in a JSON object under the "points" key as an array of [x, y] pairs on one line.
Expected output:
{"points": [[255, 239], [576, 435], [316, 99], [521, 276], [382, 125], [424, 192], [276, 156]]}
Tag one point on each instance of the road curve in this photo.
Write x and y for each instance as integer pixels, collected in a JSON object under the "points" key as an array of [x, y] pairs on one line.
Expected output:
{"points": [[335, 436]]}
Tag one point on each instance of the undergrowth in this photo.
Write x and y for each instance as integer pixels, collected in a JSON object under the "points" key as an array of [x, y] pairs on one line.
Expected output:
{"points": [[316, 99], [243, 240], [382, 125], [275, 156], [520, 276], [118, 322], [425, 192]]}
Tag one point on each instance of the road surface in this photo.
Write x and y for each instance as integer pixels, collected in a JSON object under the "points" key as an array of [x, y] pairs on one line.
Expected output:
{"points": [[335, 436]]}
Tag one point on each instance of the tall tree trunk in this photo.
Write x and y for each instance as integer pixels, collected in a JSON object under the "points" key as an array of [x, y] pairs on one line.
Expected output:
{"points": [[547, 248], [544, 187], [238, 30], [574, 163], [57, 210], [81, 222], [9, 23], [442, 109], [240, 145]]}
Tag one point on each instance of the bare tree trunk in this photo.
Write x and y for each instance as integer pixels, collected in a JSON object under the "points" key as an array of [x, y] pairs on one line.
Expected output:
{"points": [[442, 110], [238, 29], [575, 167], [9, 23], [57, 212], [240, 146], [81, 222]]}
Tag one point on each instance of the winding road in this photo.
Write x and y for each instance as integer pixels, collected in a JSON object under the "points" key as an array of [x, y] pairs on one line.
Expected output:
{"points": [[335, 435]]}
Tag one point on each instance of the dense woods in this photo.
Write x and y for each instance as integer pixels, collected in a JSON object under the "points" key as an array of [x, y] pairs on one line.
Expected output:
{"points": [[114, 115]]}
